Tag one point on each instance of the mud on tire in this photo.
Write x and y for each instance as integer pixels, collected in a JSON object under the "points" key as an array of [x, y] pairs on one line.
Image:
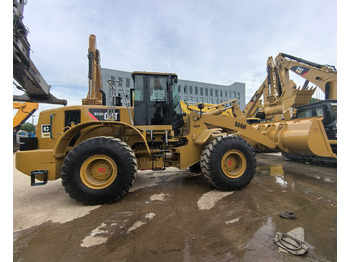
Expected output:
{"points": [[99, 170], [228, 162]]}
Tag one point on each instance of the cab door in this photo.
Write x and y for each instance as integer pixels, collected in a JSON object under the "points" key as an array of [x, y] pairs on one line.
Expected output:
{"points": [[158, 104], [152, 105]]}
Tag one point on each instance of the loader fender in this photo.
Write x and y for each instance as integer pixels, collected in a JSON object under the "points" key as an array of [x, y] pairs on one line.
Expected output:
{"points": [[60, 149], [206, 134]]}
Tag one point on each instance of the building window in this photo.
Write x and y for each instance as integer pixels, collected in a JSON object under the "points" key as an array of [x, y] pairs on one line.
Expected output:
{"points": [[225, 93], [185, 90], [179, 88], [229, 94], [211, 100], [216, 93], [191, 98], [238, 95], [206, 92], [220, 93], [127, 82], [190, 90], [112, 77], [211, 92], [120, 83], [185, 98], [196, 99], [216, 101], [196, 90], [206, 100], [201, 99], [234, 94], [201, 91]]}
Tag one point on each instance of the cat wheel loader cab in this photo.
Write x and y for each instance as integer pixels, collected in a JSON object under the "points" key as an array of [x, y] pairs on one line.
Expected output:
{"points": [[97, 156], [156, 101]]}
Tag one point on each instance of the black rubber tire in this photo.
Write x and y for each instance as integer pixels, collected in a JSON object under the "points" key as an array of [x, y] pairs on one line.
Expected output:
{"points": [[196, 168], [212, 156], [113, 148]]}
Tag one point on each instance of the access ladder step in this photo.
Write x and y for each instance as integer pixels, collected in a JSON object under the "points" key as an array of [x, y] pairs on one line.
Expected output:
{"points": [[37, 173]]}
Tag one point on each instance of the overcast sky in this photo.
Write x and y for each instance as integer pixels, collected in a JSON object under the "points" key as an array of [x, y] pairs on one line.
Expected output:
{"points": [[218, 42]]}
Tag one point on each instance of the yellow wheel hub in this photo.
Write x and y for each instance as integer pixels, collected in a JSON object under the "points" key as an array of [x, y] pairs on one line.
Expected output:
{"points": [[98, 171], [233, 163]]}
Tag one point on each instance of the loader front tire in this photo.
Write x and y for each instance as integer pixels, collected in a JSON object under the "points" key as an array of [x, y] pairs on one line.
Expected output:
{"points": [[228, 162], [99, 171]]}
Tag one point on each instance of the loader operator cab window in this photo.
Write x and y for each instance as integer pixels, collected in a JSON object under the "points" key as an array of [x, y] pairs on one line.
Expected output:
{"points": [[156, 100], [138, 95], [158, 89]]}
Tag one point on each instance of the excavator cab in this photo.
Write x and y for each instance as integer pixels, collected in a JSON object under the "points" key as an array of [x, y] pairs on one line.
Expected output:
{"points": [[327, 109], [156, 101]]}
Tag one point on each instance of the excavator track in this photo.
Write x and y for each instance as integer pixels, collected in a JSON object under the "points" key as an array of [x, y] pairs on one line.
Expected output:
{"points": [[311, 160]]}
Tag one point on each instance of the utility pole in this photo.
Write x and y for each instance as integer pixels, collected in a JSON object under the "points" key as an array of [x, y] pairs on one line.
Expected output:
{"points": [[33, 119]]}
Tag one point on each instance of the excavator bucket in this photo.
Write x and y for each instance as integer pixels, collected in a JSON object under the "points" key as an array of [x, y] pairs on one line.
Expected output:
{"points": [[301, 136], [303, 96]]}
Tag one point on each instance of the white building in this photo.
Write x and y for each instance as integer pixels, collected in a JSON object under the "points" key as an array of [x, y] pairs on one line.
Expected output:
{"points": [[190, 91]]}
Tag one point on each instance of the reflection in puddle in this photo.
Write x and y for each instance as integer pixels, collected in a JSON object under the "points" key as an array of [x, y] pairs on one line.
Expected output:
{"points": [[329, 180], [271, 170], [276, 171], [281, 181]]}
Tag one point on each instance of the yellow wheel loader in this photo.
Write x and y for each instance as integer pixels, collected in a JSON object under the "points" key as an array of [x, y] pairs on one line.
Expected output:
{"points": [[97, 149]]}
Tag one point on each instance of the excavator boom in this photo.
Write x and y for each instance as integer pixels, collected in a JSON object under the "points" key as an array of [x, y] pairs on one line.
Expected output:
{"points": [[323, 76], [24, 71]]}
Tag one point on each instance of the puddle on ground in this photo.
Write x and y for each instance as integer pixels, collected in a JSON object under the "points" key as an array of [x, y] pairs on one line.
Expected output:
{"points": [[147, 218], [209, 199], [271, 170], [259, 248], [275, 171]]}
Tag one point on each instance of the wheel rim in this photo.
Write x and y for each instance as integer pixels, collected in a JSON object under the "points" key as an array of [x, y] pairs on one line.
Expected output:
{"points": [[98, 171], [233, 163]]}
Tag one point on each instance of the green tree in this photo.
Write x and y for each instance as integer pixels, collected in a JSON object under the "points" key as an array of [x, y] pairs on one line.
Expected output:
{"points": [[30, 128]]}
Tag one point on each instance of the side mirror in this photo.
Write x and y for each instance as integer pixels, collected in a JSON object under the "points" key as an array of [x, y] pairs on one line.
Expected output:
{"points": [[200, 106]]}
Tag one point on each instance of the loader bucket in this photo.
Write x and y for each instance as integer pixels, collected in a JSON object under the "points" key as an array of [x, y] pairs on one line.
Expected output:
{"points": [[301, 136]]}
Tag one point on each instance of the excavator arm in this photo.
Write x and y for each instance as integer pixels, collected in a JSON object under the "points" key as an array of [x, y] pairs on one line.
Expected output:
{"points": [[323, 76], [279, 94], [25, 110], [24, 71], [94, 96]]}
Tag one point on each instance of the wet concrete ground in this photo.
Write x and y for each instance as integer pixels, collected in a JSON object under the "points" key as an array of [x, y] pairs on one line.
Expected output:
{"points": [[177, 216]]}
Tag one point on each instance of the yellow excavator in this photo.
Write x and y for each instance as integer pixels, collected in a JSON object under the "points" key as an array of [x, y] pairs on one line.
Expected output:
{"points": [[281, 98], [279, 94], [325, 77]]}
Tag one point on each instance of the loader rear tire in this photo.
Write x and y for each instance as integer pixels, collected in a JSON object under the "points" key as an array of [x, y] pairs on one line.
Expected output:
{"points": [[228, 162], [99, 171]]}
